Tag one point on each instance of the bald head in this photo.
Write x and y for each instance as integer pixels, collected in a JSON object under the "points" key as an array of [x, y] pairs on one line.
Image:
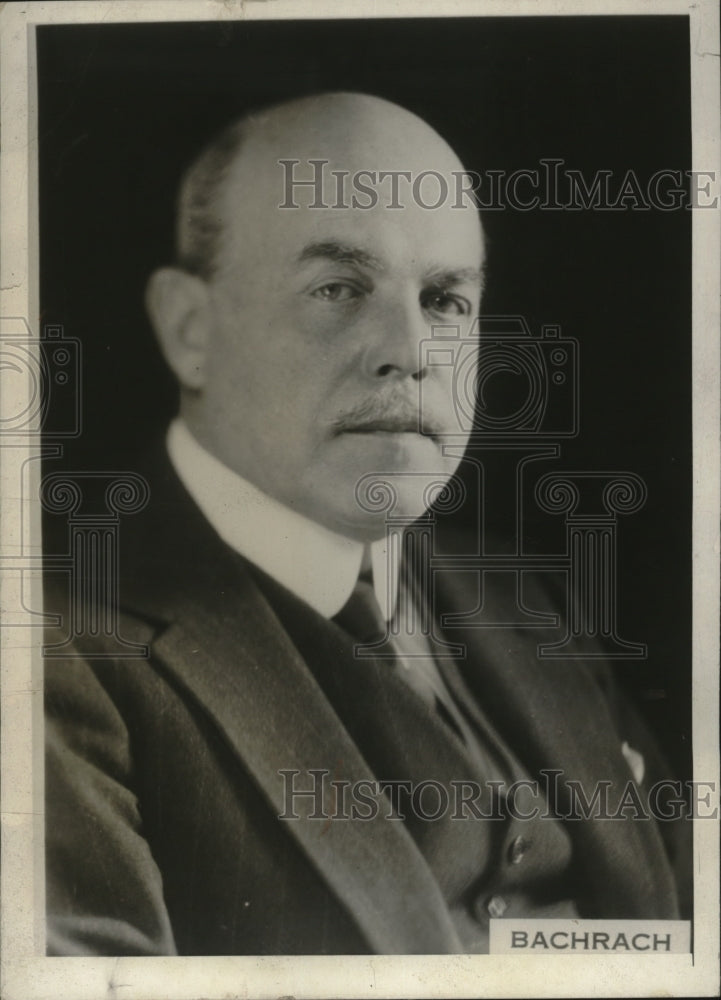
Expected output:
{"points": [[321, 243], [334, 150], [349, 127]]}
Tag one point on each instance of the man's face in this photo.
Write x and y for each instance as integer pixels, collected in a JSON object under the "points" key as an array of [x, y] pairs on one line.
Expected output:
{"points": [[315, 372]]}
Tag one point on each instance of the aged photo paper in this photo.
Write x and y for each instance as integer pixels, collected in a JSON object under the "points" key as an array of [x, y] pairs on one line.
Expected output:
{"points": [[359, 468]]}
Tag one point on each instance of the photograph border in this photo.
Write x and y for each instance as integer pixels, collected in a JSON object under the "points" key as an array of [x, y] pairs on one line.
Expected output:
{"points": [[26, 974]]}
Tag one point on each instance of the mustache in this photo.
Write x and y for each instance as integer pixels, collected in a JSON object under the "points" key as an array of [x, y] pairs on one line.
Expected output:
{"points": [[389, 414]]}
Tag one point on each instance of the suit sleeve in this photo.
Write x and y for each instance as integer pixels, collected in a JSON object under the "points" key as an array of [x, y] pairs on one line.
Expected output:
{"points": [[104, 892]]}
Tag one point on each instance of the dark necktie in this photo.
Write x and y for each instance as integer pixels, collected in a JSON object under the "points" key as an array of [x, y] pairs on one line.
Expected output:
{"points": [[411, 656], [361, 615]]}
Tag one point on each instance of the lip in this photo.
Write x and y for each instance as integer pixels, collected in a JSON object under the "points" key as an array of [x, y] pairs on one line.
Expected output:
{"points": [[385, 425], [393, 425]]}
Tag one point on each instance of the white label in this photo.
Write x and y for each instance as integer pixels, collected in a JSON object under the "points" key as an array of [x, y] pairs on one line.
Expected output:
{"points": [[583, 937]]}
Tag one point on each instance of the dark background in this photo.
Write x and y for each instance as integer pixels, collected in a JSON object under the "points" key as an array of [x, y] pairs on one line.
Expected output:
{"points": [[122, 109]]}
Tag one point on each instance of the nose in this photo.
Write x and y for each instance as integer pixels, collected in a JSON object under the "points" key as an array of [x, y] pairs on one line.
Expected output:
{"points": [[395, 349]]}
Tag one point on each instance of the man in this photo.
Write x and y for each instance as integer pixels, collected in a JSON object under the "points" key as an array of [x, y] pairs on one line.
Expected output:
{"points": [[195, 799]]}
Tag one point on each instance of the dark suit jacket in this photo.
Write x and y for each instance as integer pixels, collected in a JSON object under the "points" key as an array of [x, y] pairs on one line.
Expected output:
{"points": [[164, 784]]}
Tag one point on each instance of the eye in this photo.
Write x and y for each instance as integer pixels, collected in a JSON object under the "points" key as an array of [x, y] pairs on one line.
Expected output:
{"points": [[336, 291], [445, 303]]}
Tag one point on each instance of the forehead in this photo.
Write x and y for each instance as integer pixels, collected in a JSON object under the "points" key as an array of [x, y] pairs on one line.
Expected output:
{"points": [[415, 220]]}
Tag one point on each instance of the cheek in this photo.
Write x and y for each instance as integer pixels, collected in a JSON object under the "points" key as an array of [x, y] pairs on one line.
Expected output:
{"points": [[243, 362], [231, 393], [269, 346], [278, 369]]}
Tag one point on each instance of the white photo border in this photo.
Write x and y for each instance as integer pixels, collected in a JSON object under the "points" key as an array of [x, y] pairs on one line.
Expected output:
{"points": [[26, 973]]}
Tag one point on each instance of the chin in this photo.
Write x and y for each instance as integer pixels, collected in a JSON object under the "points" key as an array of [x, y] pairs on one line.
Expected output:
{"points": [[394, 455], [398, 453], [399, 493], [358, 497]]}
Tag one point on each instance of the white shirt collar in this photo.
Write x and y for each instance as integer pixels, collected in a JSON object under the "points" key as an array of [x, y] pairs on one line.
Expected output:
{"points": [[312, 562]]}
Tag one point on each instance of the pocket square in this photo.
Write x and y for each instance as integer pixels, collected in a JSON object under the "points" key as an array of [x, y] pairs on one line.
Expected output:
{"points": [[635, 761]]}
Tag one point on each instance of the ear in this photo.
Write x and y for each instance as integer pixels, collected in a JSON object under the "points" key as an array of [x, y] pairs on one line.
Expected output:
{"points": [[177, 303]]}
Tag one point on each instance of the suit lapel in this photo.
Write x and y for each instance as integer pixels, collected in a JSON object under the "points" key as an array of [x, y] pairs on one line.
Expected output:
{"points": [[403, 738], [223, 643], [219, 638], [557, 717]]}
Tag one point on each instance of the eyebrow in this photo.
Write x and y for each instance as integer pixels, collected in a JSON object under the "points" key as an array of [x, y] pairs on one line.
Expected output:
{"points": [[445, 277], [341, 253], [345, 253]]}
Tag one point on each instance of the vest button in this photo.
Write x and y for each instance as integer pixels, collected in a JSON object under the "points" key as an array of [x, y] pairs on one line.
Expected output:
{"points": [[484, 907], [518, 849], [496, 906]]}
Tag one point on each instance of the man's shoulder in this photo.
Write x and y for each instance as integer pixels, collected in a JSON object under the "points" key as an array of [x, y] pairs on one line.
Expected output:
{"points": [[155, 561]]}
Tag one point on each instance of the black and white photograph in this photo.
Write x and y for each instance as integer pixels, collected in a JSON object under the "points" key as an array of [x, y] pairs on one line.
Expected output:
{"points": [[360, 465]]}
